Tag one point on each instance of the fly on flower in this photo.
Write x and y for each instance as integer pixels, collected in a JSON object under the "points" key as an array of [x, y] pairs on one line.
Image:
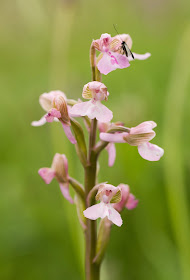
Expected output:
{"points": [[125, 49]]}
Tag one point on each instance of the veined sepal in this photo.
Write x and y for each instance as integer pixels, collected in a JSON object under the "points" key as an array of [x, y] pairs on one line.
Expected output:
{"points": [[117, 197], [116, 128]]}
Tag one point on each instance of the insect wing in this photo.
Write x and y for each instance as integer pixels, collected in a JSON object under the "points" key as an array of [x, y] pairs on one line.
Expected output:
{"points": [[128, 51]]}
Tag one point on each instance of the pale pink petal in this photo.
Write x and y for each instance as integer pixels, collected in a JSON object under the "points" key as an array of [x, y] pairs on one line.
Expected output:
{"points": [[42, 121], [144, 127], [80, 109], [111, 61], [114, 138], [140, 56], [67, 130], [92, 110], [65, 192], [70, 114], [111, 153], [100, 112], [47, 174], [96, 211], [131, 202], [53, 113], [150, 151], [115, 217]]}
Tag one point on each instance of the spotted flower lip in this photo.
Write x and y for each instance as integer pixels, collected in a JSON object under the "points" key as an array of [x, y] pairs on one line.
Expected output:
{"points": [[96, 92], [138, 136], [54, 103], [59, 171], [107, 194], [112, 57]]}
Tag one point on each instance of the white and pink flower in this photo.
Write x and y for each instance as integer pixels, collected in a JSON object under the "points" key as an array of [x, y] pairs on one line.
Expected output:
{"points": [[54, 103], [59, 171], [112, 57], [94, 109], [138, 136], [108, 195]]}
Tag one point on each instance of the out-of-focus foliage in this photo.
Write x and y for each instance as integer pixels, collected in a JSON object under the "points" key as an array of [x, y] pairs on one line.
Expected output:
{"points": [[44, 45]]}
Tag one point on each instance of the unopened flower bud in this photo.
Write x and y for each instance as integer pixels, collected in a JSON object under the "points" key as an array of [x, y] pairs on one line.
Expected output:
{"points": [[60, 166], [59, 171]]}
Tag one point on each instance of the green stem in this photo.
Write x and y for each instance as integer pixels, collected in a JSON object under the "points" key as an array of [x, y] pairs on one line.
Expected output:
{"points": [[77, 187], [92, 269], [93, 61]]}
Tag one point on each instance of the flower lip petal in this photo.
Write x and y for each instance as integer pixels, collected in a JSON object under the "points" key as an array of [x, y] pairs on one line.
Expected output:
{"points": [[115, 217], [150, 151], [112, 61], [95, 211]]}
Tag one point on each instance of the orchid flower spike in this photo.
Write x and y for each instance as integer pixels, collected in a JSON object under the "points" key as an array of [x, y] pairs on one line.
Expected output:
{"points": [[112, 56], [104, 127], [59, 171], [55, 104], [108, 195], [128, 200], [96, 92], [138, 136]]}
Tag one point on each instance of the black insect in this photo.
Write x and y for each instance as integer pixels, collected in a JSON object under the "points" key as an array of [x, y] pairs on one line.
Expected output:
{"points": [[125, 49]]}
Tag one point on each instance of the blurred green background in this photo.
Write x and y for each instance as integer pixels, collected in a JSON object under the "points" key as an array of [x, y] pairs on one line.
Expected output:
{"points": [[44, 45]]}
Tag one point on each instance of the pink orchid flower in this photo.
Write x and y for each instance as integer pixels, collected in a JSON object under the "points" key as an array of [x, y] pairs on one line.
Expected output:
{"points": [[97, 92], [54, 103], [112, 56], [128, 200], [103, 127], [108, 195], [138, 136], [59, 171]]}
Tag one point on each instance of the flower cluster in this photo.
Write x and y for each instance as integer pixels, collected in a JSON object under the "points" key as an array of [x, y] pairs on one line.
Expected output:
{"points": [[112, 199]]}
